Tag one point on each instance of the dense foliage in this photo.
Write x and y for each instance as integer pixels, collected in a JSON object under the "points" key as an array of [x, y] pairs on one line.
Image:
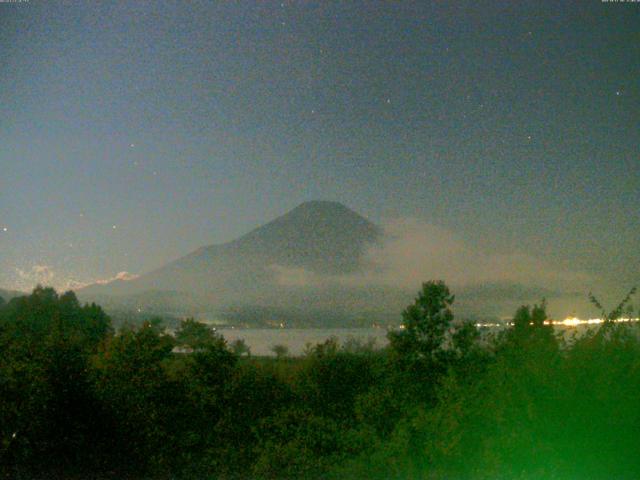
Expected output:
{"points": [[78, 400]]}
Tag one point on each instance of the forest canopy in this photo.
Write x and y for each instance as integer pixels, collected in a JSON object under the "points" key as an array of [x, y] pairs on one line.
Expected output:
{"points": [[442, 400]]}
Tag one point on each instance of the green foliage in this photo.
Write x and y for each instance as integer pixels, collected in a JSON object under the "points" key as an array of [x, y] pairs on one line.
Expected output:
{"points": [[78, 400], [297, 444], [425, 324], [240, 348], [331, 380], [529, 329], [281, 351], [46, 402], [532, 411], [130, 381], [195, 334], [429, 344]]}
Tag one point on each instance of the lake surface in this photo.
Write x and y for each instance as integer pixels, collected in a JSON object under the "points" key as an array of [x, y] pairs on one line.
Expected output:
{"points": [[260, 340]]}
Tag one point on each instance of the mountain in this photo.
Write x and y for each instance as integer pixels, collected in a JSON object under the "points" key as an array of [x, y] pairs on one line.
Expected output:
{"points": [[7, 295], [295, 270], [266, 268]]}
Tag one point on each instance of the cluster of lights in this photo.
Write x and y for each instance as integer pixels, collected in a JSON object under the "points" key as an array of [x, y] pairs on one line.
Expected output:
{"points": [[574, 321], [567, 322]]}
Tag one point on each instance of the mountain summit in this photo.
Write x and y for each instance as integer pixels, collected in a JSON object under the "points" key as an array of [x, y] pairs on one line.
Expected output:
{"points": [[316, 237], [321, 236]]}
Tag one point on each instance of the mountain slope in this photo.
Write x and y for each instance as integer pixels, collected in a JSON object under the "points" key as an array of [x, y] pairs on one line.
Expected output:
{"points": [[318, 237]]}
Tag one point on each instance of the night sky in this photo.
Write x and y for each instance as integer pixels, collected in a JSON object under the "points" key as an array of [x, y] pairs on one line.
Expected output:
{"points": [[132, 133]]}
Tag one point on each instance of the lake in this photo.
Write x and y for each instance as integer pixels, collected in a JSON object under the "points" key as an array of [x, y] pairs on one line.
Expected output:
{"points": [[260, 340]]}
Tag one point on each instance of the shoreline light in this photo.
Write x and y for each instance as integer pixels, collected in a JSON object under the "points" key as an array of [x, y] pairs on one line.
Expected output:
{"points": [[567, 322]]}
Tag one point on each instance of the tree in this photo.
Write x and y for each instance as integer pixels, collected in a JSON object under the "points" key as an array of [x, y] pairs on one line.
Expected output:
{"points": [[195, 334], [419, 350], [425, 324], [330, 379], [281, 351], [296, 443], [530, 330], [48, 411], [616, 313], [130, 380], [240, 348]]}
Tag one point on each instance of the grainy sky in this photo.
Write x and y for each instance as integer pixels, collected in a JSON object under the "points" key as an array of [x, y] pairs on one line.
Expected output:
{"points": [[133, 132]]}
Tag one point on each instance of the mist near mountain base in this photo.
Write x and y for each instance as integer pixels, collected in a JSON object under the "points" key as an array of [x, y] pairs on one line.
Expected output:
{"points": [[410, 251]]}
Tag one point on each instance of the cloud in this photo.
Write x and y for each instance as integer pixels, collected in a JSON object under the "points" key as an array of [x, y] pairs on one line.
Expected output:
{"points": [[47, 275], [123, 276], [36, 275], [412, 252]]}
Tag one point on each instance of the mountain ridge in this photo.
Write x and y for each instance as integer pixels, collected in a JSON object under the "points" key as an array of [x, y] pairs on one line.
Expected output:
{"points": [[319, 236]]}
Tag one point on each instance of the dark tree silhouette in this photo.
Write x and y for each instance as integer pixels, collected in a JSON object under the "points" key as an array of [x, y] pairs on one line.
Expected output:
{"points": [[281, 351], [195, 334], [240, 348], [425, 324]]}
